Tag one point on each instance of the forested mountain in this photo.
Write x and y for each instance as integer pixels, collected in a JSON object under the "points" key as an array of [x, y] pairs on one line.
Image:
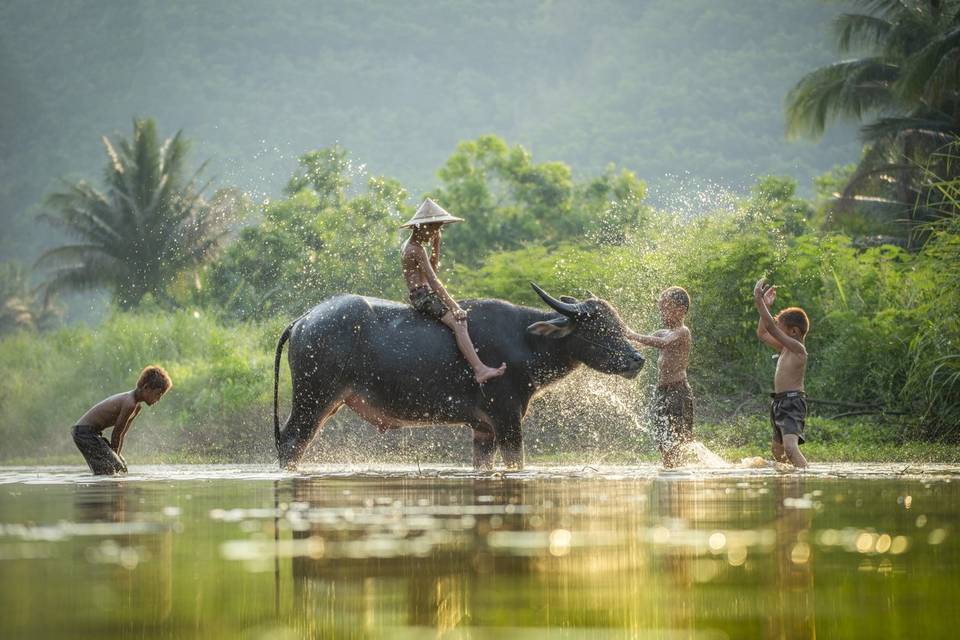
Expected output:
{"points": [[657, 86]]}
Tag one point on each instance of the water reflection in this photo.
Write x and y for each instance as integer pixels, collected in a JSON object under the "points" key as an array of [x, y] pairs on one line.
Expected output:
{"points": [[794, 615], [135, 555], [639, 555], [669, 555]]}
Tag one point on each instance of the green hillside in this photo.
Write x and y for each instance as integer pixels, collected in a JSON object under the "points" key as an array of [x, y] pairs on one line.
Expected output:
{"points": [[658, 86]]}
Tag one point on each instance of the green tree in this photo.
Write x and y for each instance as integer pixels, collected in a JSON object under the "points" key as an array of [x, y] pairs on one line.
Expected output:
{"points": [[148, 224], [509, 201], [775, 199], [904, 88], [319, 241]]}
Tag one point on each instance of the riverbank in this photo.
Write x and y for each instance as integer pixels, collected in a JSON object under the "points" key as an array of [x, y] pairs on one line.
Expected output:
{"points": [[865, 439]]}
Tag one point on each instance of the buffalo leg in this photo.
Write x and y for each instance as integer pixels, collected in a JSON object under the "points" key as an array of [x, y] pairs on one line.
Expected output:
{"points": [[305, 420], [510, 440], [484, 448]]}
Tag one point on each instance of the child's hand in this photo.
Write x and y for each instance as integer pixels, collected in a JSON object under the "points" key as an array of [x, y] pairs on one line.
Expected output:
{"points": [[770, 295], [764, 293]]}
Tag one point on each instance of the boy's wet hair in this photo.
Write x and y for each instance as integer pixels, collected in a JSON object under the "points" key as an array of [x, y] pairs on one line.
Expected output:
{"points": [[678, 296], [154, 377], [795, 317]]}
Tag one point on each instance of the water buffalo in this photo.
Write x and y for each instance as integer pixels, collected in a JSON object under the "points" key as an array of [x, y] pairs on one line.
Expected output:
{"points": [[397, 368]]}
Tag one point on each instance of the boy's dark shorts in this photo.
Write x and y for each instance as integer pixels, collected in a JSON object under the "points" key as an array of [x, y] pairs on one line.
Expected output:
{"points": [[428, 303], [100, 456], [673, 415], [788, 414]]}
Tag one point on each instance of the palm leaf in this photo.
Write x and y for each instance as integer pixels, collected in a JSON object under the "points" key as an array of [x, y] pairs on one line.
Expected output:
{"points": [[69, 255], [857, 29], [847, 89], [933, 73], [937, 129], [143, 230]]}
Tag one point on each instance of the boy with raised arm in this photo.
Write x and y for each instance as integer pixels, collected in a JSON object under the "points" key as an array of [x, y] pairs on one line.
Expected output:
{"points": [[788, 411], [118, 411], [427, 293], [673, 402]]}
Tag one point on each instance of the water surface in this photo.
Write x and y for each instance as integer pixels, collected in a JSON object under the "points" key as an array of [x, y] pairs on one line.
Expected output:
{"points": [[844, 551]]}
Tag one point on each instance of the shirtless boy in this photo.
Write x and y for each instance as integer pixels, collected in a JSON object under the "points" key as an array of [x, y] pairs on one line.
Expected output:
{"points": [[427, 293], [673, 402], [788, 411], [118, 411]]}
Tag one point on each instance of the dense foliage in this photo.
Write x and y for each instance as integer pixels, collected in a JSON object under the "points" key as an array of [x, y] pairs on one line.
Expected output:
{"points": [[885, 338], [884, 332]]}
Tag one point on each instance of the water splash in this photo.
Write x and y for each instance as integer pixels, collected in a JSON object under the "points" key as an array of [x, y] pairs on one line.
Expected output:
{"points": [[705, 457]]}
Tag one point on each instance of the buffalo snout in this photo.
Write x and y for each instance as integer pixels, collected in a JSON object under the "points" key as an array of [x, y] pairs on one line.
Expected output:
{"points": [[633, 365]]}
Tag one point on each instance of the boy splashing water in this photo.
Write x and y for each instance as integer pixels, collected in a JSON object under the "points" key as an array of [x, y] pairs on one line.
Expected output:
{"points": [[427, 293], [788, 411], [118, 411], [673, 403]]}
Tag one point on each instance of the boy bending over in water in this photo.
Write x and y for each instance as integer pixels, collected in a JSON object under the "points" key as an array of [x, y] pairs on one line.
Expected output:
{"points": [[673, 402], [427, 293], [118, 411], [788, 411]]}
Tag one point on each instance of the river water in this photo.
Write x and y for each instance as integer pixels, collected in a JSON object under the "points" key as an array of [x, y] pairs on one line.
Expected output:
{"points": [[842, 551]]}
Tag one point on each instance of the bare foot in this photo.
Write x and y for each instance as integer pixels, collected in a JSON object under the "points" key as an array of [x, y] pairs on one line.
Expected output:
{"points": [[488, 373]]}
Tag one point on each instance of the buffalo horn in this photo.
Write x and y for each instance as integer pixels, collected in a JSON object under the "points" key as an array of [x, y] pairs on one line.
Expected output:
{"points": [[567, 309]]}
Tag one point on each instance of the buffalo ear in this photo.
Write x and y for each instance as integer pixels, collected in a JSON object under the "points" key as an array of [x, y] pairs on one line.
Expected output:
{"points": [[556, 328], [569, 299]]}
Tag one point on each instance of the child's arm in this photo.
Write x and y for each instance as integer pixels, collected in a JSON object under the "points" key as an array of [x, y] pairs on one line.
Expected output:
{"points": [[659, 339], [769, 295], [127, 414], [766, 338], [769, 324], [435, 254], [427, 269]]}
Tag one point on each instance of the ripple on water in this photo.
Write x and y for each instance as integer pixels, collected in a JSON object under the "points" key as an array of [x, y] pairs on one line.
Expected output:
{"points": [[65, 475]]}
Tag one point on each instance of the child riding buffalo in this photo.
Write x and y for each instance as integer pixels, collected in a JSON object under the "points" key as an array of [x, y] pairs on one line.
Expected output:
{"points": [[427, 293]]}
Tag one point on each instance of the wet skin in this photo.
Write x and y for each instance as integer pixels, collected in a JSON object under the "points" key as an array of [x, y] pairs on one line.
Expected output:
{"points": [[118, 411], [791, 364], [673, 341], [419, 270]]}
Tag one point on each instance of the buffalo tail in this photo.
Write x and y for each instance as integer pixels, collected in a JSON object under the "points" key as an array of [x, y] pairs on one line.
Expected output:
{"points": [[276, 385]]}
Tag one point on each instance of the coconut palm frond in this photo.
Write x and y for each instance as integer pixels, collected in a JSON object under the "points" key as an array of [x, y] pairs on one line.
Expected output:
{"points": [[934, 71], [848, 89], [96, 272], [146, 227], [937, 129], [857, 30], [69, 255]]}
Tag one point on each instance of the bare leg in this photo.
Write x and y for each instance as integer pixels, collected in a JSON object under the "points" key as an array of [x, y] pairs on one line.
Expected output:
{"points": [[778, 453], [481, 372], [791, 445]]}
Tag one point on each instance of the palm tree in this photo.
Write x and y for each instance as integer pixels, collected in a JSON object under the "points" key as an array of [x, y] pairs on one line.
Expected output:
{"points": [[147, 226], [904, 89], [21, 306]]}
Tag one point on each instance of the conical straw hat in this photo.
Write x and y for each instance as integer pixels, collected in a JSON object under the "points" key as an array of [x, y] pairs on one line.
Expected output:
{"points": [[429, 212]]}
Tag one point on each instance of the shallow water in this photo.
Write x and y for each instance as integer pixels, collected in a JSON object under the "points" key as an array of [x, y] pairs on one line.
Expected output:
{"points": [[843, 551]]}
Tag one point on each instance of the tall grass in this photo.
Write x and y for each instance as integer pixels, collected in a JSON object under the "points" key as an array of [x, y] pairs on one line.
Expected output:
{"points": [[219, 405]]}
